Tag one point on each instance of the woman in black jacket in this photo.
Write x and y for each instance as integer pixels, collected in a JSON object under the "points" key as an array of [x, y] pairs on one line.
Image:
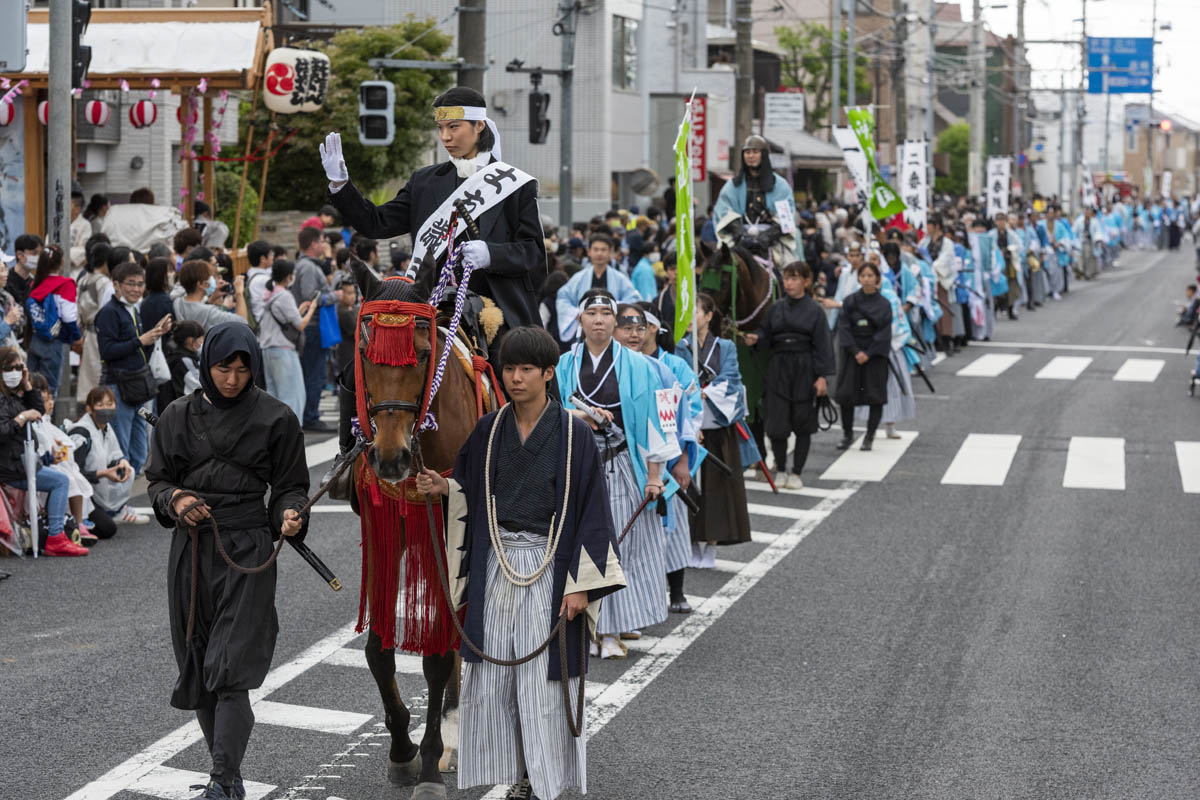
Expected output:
{"points": [[865, 341], [20, 403]]}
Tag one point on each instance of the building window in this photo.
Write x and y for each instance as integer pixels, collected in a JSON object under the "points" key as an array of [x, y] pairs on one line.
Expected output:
{"points": [[624, 53]]}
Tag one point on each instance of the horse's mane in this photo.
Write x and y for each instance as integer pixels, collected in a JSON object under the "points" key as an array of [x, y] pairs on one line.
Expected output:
{"points": [[402, 290]]}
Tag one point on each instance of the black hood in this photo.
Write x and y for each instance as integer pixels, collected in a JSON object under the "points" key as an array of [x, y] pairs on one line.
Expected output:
{"points": [[220, 342]]}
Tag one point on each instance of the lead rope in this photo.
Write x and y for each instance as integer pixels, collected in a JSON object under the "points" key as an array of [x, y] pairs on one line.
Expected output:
{"points": [[574, 722]]}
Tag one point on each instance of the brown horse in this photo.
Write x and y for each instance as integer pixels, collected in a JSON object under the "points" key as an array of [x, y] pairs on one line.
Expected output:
{"points": [[393, 397], [748, 306]]}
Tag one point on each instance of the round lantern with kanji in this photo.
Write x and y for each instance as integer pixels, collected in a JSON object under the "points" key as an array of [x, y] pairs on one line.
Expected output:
{"points": [[143, 114], [97, 112], [6, 113], [44, 112]]}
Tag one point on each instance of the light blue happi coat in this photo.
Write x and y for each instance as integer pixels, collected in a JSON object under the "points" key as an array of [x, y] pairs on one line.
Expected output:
{"points": [[725, 396], [566, 302], [733, 200], [643, 279]]}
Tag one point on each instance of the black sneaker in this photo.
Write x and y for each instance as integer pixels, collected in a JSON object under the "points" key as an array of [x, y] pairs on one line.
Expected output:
{"points": [[238, 790], [867, 443], [212, 791], [521, 791]]}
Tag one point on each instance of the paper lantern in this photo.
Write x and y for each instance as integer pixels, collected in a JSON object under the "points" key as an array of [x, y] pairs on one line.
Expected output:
{"points": [[6, 113], [192, 119], [296, 80], [97, 112], [44, 112], [143, 114]]}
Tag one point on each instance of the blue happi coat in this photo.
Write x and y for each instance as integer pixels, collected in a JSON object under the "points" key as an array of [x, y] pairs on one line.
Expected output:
{"points": [[724, 396], [566, 302]]}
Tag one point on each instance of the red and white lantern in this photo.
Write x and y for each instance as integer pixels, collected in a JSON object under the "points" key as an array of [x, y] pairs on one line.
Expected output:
{"points": [[191, 119], [143, 114], [44, 112], [6, 113], [97, 112], [296, 80]]}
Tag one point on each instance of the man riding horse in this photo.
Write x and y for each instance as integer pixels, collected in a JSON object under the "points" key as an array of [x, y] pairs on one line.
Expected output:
{"points": [[758, 196]]}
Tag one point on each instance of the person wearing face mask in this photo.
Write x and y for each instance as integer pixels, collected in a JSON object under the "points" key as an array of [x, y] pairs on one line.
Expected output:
{"points": [[12, 320], [21, 404], [201, 301], [227, 460], [643, 276], [99, 456], [125, 345], [283, 330], [56, 450]]}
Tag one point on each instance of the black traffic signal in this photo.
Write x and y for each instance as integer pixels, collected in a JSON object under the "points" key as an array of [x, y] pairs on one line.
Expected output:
{"points": [[376, 115], [81, 54], [539, 125]]}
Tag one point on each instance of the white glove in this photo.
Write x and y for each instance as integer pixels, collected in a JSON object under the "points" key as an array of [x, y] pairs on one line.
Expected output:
{"points": [[331, 159], [476, 254]]}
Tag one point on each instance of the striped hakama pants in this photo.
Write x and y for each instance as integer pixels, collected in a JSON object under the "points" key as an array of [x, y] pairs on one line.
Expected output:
{"points": [[511, 719], [900, 406], [643, 601], [678, 552]]}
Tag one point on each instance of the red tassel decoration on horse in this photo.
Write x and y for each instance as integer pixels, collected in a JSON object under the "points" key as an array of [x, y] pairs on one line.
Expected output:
{"points": [[391, 342]]}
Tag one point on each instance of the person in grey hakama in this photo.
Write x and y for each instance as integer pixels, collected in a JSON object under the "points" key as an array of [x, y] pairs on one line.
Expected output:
{"points": [[230, 443], [553, 550]]}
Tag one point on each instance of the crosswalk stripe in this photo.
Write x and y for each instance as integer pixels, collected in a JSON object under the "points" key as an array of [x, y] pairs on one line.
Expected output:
{"points": [[763, 538], [326, 720], [982, 460], [1140, 370], [356, 657], [169, 783], [1064, 368], [807, 491], [1095, 462], [764, 510], [989, 366], [321, 452], [728, 565], [1187, 454], [874, 465]]}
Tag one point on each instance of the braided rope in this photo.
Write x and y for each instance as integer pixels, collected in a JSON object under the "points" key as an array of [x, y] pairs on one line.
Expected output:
{"points": [[460, 297]]}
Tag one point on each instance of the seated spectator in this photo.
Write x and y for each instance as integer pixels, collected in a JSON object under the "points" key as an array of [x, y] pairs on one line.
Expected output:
{"points": [[1191, 305], [21, 404], [204, 299], [125, 348], [282, 332], [56, 450], [213, 232], [12, 318], [53, 315], [99, 455], [183, 357]]}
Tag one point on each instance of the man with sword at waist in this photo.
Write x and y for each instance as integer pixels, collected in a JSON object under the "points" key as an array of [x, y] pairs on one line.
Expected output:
{"points": [[509, 255]]}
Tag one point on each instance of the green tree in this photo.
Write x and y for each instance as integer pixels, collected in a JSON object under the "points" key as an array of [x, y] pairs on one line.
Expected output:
{"points": [[228, 185], [808, 64], [955, 141], [295, 179]]}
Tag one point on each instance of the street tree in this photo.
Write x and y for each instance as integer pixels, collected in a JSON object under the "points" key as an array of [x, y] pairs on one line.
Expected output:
{"points": [[956, 142], [807, 64]]}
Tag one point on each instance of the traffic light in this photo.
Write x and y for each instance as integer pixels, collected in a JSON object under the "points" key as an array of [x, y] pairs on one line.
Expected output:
{"points": [[376, 115], [81, 54], [539, 125]]}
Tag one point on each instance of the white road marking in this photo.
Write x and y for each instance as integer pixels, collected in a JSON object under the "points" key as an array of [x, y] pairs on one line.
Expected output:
{"points": [[319, 453], [765, 510], [1090, 348], [308, 718], [356, 657], [1063, 368], [124, 775], [1095, 462], [728, 565], [807, 491], [169, 783], [874, 465], [1187, 454], [989, 366], [1140, 370], [663, 652], [939, 358], [763, 538], [982, 460]]}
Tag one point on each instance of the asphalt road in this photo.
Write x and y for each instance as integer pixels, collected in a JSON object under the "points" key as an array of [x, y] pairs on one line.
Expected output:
{"points": [[902, 638]]}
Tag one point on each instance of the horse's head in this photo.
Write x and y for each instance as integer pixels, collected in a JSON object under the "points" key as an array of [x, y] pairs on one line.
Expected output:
{"points": [[395, 354]]}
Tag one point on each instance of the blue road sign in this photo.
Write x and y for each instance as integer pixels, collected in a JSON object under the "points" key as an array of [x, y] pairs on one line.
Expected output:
{"points": [[1120, 65]]}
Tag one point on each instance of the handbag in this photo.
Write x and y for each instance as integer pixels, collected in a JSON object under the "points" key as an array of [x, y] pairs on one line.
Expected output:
{"points": [[135, 386], [290, 332], [158, 364], [331, 331]]}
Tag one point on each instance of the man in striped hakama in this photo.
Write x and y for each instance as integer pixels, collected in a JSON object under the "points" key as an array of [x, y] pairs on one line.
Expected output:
{"points": [[621, 385], [537, 542]]}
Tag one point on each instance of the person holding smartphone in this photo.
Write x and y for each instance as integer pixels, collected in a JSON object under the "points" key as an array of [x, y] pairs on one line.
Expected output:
{"points": [[125, 348]]}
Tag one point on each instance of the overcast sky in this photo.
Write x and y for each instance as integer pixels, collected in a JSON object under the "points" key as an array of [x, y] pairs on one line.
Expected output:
{"points": [[1177, 54]]}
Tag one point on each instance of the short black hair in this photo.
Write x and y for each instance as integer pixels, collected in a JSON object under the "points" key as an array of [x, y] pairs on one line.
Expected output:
{"points": [[603, 238], [364, 247], [528, 344], [156, 274], [200, 207], [281, 269], [199, 254], [328, 211], [127, 270], [185, 240], [97, 255], [307, 236], [26, 242], [256, 251], [186, 329], [118, 256]]}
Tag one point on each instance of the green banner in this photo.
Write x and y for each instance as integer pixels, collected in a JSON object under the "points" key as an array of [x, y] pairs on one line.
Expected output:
{"points": [[685, 286], [884, 200]]}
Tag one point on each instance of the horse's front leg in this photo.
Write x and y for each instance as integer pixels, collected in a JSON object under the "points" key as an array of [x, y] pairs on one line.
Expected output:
{"points": [[404, 757], [438, 670], [449, 762]]}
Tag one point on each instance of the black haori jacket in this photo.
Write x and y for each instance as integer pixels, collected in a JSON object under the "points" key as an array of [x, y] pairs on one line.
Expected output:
{"points": [[513, 232], [586, 559]]}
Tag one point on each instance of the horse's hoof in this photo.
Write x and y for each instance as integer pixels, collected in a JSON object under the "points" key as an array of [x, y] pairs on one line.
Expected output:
{"points": [[429, 791], [449, 760], [404, 774]]}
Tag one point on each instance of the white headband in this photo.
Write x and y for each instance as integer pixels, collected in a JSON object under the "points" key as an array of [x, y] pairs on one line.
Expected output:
{"points": [[470, 114], [598, 300], [651, 319]]}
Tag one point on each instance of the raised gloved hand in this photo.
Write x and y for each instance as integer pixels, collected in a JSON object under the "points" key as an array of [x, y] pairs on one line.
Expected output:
{"points": [[476, 254], [331, 159]]}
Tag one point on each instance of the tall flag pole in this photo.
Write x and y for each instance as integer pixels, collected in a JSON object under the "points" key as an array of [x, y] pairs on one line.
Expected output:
{"points": [[685, 271]]}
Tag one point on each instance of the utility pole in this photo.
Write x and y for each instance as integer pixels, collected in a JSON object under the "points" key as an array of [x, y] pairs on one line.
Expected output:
{"points": [[835, 92], [744, 82], [472, 43], [1151, 127], [1020, 103], [566, 29], [1062, 128], [1080, 113], [907, 70], [58, 132], [931, 93], [976, 99], [851, 58]]}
